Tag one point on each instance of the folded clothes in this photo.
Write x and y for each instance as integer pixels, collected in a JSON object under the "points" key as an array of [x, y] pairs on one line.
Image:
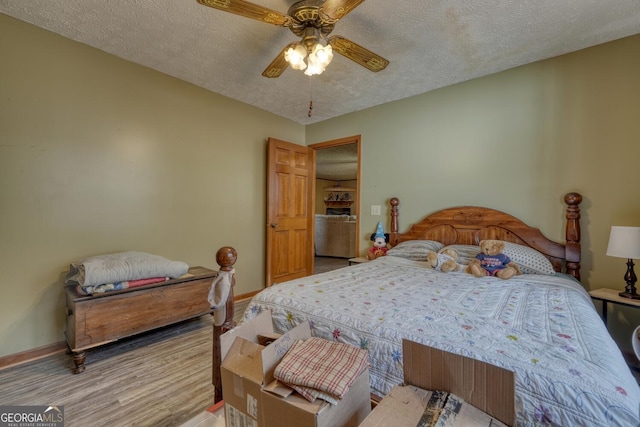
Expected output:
{"points": [[118, 286], [311, 394], [317, 367]]}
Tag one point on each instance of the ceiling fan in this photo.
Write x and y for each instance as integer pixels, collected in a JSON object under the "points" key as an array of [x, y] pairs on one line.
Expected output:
{"points": [[313, 21]]}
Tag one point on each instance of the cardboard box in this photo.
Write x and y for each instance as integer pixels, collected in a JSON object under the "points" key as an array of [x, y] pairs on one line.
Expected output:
{"points": [[473, 392], [405, 405], [295, 410], [241, 371], [253, 397]]}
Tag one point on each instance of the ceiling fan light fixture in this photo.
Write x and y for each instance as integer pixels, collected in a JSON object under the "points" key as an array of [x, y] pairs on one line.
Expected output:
{"points": [[312, 21], [321, 54], [314, 69], [296, 56], [318, 59]]}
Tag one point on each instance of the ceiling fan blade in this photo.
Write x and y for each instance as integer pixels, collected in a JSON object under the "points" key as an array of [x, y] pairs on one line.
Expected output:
{"points": [[249, 10], [333, 10], [278, 65], [358, 54]]}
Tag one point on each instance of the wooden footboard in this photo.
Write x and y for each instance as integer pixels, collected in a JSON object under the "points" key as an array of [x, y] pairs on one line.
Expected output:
{"points": [[96, 320]]}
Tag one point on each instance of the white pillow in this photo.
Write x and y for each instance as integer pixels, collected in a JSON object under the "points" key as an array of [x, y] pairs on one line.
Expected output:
{"points": [[528, 259], [416, 250]]}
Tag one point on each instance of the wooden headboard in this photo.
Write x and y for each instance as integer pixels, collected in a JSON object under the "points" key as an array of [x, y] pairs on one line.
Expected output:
{"points": [[468, 225]]}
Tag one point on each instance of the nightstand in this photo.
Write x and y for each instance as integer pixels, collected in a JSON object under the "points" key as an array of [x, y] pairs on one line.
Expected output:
{"points": [[611, 296], [358, 260]]}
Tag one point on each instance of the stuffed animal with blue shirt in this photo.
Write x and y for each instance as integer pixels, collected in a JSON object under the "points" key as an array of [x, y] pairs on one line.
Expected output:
{"points": [[492, 262]]}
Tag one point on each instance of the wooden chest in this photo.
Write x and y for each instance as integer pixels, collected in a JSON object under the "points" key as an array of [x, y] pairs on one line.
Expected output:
{"points": [[96, 320]]}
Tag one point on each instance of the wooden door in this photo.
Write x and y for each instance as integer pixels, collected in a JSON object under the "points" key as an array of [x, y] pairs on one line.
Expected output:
{"points": [[290, 218]]}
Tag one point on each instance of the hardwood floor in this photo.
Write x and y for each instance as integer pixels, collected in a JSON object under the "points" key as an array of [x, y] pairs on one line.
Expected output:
{"points": [[324, 263], [162, 378]]}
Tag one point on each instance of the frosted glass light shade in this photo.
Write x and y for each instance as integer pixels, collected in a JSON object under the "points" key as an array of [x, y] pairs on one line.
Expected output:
{"points": [[321, 55], [314, 69], [295, 56]]}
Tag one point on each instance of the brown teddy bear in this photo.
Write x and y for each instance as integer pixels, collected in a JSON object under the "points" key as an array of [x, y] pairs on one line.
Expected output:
{"points": [[445, 260], [492, 262]]}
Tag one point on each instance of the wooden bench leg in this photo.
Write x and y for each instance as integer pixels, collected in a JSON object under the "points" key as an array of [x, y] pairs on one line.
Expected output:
{"points": [[78, 361]]}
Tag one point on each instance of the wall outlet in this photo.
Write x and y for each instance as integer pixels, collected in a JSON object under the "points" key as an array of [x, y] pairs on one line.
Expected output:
{"points": [[375, 210]]}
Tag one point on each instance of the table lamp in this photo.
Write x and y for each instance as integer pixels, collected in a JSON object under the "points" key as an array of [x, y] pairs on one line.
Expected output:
{"points": [[624, 242]]}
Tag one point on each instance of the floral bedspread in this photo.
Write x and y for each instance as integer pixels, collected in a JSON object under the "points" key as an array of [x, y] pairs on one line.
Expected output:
{"points": [[569, 372]]}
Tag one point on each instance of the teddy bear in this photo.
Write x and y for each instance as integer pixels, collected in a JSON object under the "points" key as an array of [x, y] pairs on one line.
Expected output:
{"points": [[445, 260], [379, 248], [492, 262]]}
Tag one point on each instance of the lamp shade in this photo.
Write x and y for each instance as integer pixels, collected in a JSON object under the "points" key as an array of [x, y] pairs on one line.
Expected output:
{"points": [[624, 242], [295, 56]]}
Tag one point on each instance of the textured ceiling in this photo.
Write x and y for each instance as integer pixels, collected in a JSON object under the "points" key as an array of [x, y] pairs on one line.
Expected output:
{"points": [[430, 44]]}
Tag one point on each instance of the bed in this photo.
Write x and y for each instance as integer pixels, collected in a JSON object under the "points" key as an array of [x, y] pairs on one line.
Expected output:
{"points": [[542, 325]]}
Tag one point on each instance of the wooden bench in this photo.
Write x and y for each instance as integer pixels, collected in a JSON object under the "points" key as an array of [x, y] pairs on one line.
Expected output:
{"points": [[95, 320]]}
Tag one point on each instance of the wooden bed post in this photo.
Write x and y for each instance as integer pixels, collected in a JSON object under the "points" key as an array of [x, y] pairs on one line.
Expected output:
{"points": [[573, 201], [225, 257], [393, 235]]}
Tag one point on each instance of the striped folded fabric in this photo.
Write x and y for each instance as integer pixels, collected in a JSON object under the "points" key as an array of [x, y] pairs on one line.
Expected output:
{"points": [[319, 368], [118, 286]]}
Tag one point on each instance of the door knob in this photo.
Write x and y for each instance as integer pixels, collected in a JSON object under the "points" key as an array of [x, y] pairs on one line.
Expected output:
{"points": [[273, 225]]}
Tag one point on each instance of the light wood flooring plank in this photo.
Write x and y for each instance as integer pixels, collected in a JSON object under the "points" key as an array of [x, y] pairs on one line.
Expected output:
{"points": [[162, 378]]}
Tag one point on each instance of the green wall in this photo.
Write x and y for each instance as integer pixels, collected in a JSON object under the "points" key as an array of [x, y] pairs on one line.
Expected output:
{"points": [[100, 155], [516, 141]]}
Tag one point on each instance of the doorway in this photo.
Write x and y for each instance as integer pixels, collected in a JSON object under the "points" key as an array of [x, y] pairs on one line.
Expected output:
{"points": [[337, 207]]}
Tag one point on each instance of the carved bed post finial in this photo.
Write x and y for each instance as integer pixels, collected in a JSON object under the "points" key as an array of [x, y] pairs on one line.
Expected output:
{"points": [[573, 201], [226, 257], [393, 235]]}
